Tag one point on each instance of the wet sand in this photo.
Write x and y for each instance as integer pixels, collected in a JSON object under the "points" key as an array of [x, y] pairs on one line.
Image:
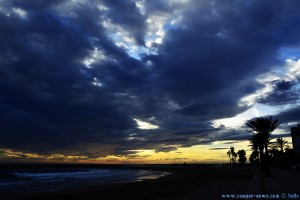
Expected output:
{"points": [[183, 183]]}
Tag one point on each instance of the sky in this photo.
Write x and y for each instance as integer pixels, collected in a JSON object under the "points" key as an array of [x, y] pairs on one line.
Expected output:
{"points": [[144, 81]]}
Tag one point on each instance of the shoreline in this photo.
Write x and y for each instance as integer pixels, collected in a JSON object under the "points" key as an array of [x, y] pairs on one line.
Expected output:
{"points": [[182, 181]]}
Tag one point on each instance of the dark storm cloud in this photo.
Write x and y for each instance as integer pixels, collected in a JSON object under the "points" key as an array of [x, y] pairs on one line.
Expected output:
{"points": [[290, 115], [211, 62], [233, 134], [47, 97], [212, 56], [285, 92], [165, 149], [126, 14], [281, 98], [284, 85], [206, 63]]}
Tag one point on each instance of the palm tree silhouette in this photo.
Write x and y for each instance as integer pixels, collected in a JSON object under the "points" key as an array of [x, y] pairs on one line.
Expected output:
{"points": [[229, 155], [254, 157], [232, 155], [281, 143], [262, 128], [242, 156], [257, 145]]}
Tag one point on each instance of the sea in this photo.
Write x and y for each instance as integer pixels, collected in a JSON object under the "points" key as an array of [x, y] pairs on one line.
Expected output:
{"points": [[37, 179]]}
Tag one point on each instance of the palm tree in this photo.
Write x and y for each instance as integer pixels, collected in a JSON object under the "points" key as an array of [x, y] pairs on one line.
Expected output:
{"points": [[232, 155], [273, 150], [254, 157], [242, 156], [229, 155], [257, 145], [262, 128], [281, 143]]}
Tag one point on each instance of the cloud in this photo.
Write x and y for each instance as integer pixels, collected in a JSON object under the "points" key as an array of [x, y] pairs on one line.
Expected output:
{"points": [[47, 93], [127, 15], [281, 89], [76, 75], [218, 148], [165, 149], [281, 98], [232, 142], [290, 115], [284, 85]]}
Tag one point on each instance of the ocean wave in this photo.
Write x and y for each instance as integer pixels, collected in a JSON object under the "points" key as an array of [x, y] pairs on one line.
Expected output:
{"points": [[62, 175], [6, 183]]}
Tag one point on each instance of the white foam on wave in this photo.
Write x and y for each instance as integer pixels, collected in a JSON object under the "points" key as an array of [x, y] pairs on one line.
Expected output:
{"points": [[154, 176], [62, 175], [6, 183]]}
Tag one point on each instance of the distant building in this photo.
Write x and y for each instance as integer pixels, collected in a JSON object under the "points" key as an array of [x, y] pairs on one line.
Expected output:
{"points": [[295, 132]]}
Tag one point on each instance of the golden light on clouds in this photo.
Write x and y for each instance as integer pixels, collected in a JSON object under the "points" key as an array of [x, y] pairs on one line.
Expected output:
{"points": [[210, 153]]}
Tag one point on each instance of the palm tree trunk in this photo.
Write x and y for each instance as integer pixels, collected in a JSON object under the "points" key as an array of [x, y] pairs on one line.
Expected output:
{"points": [[261, 154], [266, 150], [267, 161]]}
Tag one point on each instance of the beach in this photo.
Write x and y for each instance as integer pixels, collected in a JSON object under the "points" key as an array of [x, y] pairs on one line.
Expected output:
{"points": [[182, 182]]}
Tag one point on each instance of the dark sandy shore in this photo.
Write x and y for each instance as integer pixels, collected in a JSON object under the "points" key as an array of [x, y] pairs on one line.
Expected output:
{"points": [[182, 183]]}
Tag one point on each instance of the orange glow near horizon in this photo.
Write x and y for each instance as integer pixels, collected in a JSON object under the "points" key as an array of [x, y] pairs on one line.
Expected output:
{"points": [[210, 153]]}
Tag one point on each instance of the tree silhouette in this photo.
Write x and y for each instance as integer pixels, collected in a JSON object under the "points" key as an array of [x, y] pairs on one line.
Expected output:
{"points": [[274, 150], [229, 155], [254, 157], [232, 155], [242, 156], [262, 128], [257, 146], [281, 144]]}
